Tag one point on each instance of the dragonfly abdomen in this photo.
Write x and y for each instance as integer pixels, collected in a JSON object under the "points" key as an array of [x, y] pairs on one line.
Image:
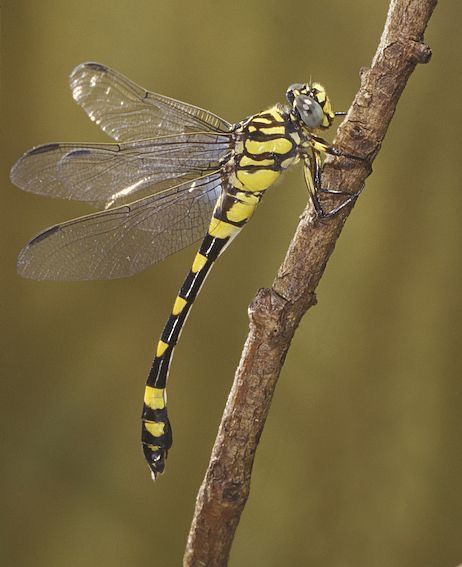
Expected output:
{"points": [[232, 211]]}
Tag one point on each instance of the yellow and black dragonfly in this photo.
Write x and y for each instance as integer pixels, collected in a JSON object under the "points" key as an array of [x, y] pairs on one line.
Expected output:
{"points": [[176, 174]]}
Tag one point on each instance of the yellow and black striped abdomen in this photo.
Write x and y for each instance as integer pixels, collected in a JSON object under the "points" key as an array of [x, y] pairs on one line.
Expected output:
{"points": [[269, 144], [231, 212]]}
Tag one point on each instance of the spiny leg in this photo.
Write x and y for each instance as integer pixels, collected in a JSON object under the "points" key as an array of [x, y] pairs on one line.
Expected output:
{"points": [[312, 170], [321, 145]]}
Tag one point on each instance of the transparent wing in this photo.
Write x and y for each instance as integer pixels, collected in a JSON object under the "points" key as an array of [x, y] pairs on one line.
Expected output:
{"points": [[127, 112], [121, 241], [110, 174]]}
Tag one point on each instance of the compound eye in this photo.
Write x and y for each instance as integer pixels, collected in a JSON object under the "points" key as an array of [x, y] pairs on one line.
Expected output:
{"points": [[310, 111]]}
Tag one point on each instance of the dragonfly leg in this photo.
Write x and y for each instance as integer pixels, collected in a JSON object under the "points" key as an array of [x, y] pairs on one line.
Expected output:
{"points": [[320, 145], [313, 180], [350, 198]]}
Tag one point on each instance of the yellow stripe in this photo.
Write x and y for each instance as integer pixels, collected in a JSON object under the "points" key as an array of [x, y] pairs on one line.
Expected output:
{"points": [[318, 87], [328, 115], [155, 429], [295, 137], [221, 229], [199, 262], [161, 348], [178, 305], [273, 130], [257, 180], [245, 160], [154, 397], [278, 146], [261, 120], [319, 146], [308, 179], [276, 113], [240, 212]]}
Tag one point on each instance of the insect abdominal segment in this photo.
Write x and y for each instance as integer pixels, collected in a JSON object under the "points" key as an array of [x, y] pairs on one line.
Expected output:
{"points": [[177, 173]]}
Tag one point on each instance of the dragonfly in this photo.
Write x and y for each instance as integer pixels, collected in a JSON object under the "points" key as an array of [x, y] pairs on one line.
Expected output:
{"points": [[175, 174]]}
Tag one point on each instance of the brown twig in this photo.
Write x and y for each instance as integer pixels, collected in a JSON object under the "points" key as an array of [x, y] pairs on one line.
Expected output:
{"points": [[275, 313]]}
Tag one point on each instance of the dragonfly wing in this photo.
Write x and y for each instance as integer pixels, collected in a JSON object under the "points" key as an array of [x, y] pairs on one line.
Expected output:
{"points": [[124, 240], [127, 112], [111, 174]]}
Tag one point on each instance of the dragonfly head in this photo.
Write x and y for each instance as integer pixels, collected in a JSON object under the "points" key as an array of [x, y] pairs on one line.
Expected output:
{"points": [[310, 104]]}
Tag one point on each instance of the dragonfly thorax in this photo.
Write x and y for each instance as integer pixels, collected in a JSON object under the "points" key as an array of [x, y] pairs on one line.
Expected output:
{"points": [[267, 143]]}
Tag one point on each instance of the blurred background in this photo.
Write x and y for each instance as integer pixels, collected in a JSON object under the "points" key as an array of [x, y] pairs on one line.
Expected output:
{"points": [[360, 462]]}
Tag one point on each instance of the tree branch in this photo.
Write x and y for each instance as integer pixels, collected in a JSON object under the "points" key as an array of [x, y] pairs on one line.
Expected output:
{"points": [[275, 313]]}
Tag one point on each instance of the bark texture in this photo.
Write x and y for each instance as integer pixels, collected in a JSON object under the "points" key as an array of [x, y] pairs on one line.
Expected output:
{"points": [[275, 313]]}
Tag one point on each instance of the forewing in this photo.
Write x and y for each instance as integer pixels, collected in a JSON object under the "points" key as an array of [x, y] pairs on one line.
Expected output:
{"points": [[124, 240], [127, 112], [111, 174]]}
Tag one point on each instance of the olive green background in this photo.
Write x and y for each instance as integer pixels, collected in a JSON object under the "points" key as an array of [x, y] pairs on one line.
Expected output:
{"points": [[360, 462]]}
